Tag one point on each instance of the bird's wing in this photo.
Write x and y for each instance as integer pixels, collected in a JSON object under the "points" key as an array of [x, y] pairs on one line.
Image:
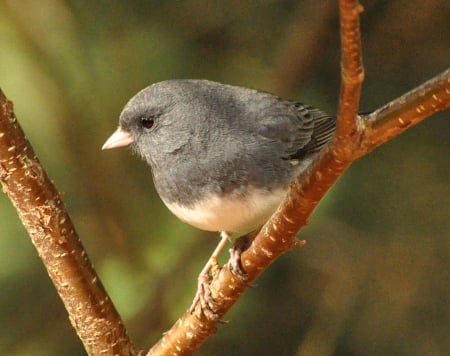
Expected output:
{"points": [[300, 129]]}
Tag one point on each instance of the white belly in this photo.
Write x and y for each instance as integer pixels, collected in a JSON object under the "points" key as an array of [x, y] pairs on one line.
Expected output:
{"points": [[232, 214]]}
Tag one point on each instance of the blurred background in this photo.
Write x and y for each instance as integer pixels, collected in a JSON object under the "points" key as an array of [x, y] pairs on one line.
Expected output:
{"points": [[374, 276]]}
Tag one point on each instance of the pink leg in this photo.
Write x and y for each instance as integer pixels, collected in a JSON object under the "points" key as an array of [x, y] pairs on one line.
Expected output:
{"points": [[203, 294]]}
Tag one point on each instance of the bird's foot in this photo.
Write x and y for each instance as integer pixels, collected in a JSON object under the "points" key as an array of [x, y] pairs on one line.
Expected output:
{"points": [[203, 302], [235, 263], [203, 296]]}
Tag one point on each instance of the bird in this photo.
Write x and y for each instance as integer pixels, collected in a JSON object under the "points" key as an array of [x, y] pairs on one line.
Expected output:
{"points": [[221, 156]]}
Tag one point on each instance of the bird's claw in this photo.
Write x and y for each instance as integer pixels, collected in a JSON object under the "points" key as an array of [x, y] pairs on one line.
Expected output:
{"points": [[203, 296], [235, 263], [204, 302]]}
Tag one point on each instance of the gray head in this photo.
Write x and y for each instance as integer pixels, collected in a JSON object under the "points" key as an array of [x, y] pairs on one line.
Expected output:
{"points": [[166, 117]]}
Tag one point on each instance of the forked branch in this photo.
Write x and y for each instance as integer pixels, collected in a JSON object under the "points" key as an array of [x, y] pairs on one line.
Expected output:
{"points": [[354, 138]]}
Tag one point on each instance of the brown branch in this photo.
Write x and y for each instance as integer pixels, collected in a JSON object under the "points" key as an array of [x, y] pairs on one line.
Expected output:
{"points": [[42, 212], [352, 76], [278, 234], [355, 137], [404, 112]]}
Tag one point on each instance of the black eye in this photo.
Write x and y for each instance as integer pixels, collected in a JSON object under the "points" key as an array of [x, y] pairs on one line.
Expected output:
{"points": [[147, 122]]}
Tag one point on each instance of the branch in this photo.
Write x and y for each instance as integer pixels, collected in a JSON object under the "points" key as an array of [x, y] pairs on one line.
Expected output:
{"points": [[404, 112], [354, 138], [278, 235], [352, 75], [43, 214]]}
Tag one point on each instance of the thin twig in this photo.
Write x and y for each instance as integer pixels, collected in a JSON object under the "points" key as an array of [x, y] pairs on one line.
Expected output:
{"points": [[404, 112], [352, 75]]}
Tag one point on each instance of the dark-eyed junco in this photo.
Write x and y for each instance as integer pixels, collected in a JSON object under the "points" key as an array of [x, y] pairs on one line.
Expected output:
{"points": [[222, 156]]}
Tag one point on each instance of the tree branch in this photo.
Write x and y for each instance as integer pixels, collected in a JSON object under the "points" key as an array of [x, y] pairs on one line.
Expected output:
{"points": [[404, 112], [352, 75], [354, 138], [43, 214]]}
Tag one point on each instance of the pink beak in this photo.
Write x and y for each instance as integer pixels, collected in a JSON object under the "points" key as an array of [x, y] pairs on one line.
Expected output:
{"points": [[119, 138]]}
